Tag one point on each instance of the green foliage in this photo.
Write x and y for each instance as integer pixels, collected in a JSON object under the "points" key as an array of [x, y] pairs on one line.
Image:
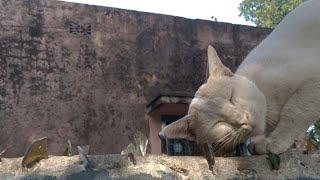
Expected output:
{"points": [[267, 13], [313, 133]]}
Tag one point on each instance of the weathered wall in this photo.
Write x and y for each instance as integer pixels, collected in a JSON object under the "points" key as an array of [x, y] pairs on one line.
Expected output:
{"points": [[93, 89]]}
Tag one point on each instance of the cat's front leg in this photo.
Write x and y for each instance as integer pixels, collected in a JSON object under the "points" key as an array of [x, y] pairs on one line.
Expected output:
{"points": [[269, 145], [300, 111], [258, 144]]}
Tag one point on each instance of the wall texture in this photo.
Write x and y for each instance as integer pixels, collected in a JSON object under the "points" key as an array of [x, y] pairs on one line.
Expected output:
{"points": [[61, 81]]}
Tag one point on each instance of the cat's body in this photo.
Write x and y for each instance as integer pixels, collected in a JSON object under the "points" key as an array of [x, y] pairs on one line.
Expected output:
{"points": [[274, 92], [287, 63]]}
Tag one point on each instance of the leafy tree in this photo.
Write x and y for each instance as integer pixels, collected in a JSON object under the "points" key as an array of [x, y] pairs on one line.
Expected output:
{"points": [[313, 133], [267, 13]]}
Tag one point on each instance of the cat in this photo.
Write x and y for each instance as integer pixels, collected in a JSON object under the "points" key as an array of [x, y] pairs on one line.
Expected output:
{"points": [[271, 98]]}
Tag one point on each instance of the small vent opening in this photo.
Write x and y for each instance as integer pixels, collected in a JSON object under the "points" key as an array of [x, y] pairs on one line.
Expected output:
{"points": [[80, 29]]}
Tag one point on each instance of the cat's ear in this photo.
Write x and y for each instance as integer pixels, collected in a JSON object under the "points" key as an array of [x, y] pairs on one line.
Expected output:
{"points": [[179, 129], [216, 68]]}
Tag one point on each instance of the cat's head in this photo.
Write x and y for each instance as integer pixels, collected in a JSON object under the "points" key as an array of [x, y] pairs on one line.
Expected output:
{"points": [[225, 110]]}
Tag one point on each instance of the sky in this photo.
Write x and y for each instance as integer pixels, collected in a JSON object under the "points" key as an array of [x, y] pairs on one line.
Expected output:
{"points": [[223, 10]]}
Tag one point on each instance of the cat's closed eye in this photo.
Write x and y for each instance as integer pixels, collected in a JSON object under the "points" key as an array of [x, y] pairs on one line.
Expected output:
{"points": [[231, 99]]}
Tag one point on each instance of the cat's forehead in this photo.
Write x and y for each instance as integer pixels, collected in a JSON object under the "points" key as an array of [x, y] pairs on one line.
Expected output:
{"points": [[205, 100], [215, 88]]}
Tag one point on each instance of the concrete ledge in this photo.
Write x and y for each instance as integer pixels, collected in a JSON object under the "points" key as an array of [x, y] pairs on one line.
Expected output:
{"points": [[294, 165]]}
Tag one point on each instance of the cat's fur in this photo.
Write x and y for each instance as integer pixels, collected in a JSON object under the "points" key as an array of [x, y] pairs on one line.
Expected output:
{"points": [[274, 94]]}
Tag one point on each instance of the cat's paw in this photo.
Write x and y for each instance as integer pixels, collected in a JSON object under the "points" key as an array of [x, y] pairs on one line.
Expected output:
{"points": [[267, 145], [259, 147]]}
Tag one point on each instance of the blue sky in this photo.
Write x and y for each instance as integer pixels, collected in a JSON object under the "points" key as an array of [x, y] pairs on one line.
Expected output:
{"points": [[223, 10]]}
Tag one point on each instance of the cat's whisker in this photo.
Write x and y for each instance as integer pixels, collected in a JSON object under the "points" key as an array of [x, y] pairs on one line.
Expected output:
{"points": [[237, 139], [234, 143], [221, 140], [225, 138], [220, 144], [225, 143], [234, 137], [241, 136]]}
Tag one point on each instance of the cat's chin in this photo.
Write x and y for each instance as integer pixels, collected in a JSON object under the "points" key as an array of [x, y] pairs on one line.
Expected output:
{"points": [[227, 136], [226, 147], [247, 127]]}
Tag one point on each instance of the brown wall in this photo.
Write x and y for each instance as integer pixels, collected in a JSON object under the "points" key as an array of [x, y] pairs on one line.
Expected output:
{"points": [[93, 89]]}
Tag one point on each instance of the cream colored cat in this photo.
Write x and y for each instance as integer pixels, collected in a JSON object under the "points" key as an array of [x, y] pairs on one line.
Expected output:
{"points": [[275, 93]]}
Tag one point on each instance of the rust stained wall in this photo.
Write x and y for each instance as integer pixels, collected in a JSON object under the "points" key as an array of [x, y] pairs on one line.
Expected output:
{"points": [[94, 89]]}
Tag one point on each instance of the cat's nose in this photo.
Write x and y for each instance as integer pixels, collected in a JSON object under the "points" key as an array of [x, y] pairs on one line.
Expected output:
{"points": [[161, 135], [244, 119], [245, 122]]}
